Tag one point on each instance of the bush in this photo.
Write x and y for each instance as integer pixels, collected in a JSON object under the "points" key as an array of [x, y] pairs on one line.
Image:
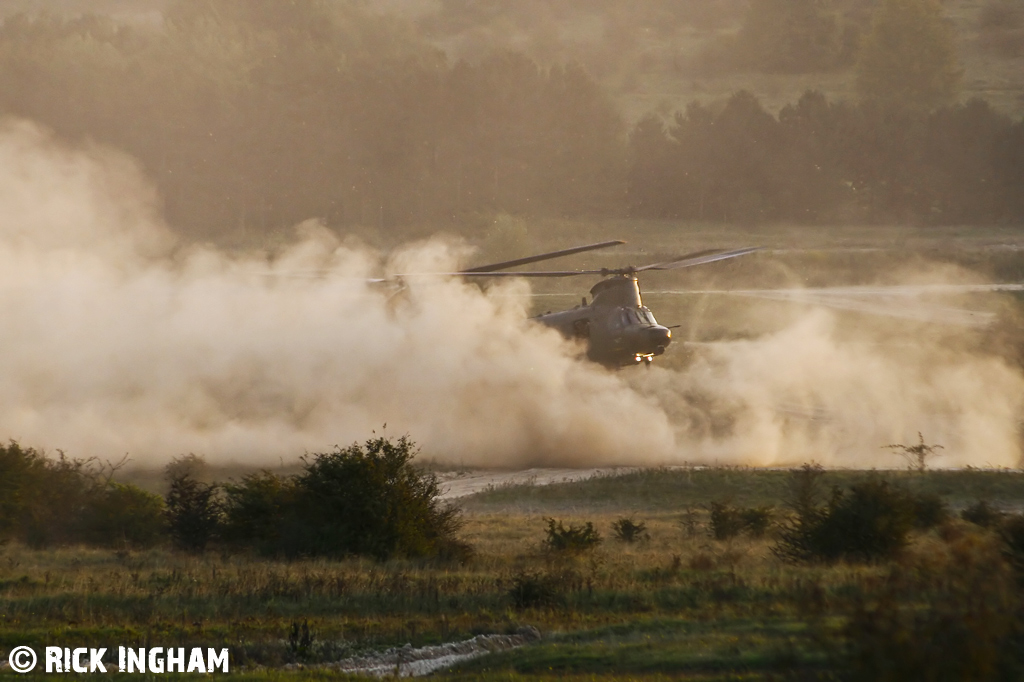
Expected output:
{"points": [[728, 522], [1012, 534], [981, 514], [688, 522], [930, 510], [255, 511], [362, 500], [123, 515], [950, 615], [193, 513], [757, 520], [371, 501], [629, 531], [571, 540], [537, 590], [44, 501], [869, 522]]}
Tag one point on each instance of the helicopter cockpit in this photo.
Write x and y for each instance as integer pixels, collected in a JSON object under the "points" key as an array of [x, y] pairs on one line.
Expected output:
{"points": [[641, 316]]}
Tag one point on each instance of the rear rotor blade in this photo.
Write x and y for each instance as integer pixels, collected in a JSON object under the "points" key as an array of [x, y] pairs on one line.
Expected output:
{"points": [[543, 256], [528, 273], [698, 258]]}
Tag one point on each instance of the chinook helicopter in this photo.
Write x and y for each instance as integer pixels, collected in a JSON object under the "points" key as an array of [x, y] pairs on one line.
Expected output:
{"points": [[617, 327]]}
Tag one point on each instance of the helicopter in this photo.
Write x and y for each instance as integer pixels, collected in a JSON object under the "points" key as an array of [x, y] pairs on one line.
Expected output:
{"points": [[617, 328]]}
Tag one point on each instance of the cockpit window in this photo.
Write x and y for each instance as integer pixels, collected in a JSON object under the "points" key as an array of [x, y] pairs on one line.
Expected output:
{"points": [[644, 316], [630, 316]]}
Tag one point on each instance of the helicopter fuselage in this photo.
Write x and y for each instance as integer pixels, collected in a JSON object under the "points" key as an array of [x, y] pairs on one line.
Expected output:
{"points": [[616, 326]]}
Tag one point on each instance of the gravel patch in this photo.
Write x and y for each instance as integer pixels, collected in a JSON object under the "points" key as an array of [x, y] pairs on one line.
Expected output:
{"points": [[407, 661]]}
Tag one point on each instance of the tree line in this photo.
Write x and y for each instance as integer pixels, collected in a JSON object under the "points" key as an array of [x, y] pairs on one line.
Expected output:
{"points": [[363, 500], [257, 115], [251, 116], [828, 162]]}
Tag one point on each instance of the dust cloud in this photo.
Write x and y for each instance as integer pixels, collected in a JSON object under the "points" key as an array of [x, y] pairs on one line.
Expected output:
{"points": [[116, 338], [813, 391]]}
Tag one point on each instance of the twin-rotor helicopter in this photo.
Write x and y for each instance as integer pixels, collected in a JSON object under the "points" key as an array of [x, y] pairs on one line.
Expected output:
{"points": [[618, 329]]}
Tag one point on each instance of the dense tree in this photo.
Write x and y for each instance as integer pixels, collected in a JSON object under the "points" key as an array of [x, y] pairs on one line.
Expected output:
{"points": [[253, 116], [790, 36], [909, 58], [653, 182], [822, 162], [812, 186], [960, 157]]}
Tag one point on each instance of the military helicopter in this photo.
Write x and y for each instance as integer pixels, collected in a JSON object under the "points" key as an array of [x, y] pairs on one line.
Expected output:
{"points": [[617, 327]]}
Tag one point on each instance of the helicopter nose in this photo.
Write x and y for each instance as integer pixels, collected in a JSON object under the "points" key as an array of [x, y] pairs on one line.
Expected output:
{"points": [[659, 337]]}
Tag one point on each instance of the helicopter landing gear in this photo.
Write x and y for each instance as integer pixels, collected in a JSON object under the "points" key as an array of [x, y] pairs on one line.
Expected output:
{"points": [[645, 359]]}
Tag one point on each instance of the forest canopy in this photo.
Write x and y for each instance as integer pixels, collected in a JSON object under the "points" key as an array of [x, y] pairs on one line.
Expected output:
{"points": [[253, 115]]}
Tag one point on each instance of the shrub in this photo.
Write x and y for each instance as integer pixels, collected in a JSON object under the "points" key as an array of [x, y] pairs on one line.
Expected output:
{"points": [[362, 500], [193, 512], [930, 510], [255, 511], [982, 514], [43, 501], [756, 520], [300, 640], [728, 522], [688, 522], [806, 490], [629, 531], [869, 522], [123, 515], [571, 540], [537, 590], [951, 615], [370, 500], [22, 469], [1012, 534]]}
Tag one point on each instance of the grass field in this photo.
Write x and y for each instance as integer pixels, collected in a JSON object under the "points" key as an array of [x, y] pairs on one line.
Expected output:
{"points": [[678, 605]]}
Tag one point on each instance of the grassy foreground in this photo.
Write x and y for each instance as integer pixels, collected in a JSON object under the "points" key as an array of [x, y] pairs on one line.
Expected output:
{"points": [[675, 606]]}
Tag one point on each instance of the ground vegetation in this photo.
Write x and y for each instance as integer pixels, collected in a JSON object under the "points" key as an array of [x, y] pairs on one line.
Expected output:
{"points": [[677, 605]]}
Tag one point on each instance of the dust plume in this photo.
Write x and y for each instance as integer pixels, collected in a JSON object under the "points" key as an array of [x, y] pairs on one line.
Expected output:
{"points": [[117, 338], [816, 391]]}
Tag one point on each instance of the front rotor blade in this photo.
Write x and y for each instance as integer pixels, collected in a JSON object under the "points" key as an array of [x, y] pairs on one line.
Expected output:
{"points": [[543, 256], [699, 258]]}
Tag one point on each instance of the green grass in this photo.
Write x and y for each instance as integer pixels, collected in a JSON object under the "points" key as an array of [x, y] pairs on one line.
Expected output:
{"points": [[676, 489], [677, 606]]}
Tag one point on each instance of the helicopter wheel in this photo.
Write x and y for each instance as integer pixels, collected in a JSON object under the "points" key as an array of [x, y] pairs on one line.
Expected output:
{"points": [[648, 361]]}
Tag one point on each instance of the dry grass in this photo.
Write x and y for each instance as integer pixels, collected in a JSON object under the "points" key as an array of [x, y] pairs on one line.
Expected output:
{"points": [[676, 604]]}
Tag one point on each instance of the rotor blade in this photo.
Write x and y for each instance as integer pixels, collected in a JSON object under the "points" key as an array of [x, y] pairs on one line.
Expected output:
{"points": [[318, 275], [527, 273], [899, 301], [698, 258], [543, 256], [909, 290]]}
